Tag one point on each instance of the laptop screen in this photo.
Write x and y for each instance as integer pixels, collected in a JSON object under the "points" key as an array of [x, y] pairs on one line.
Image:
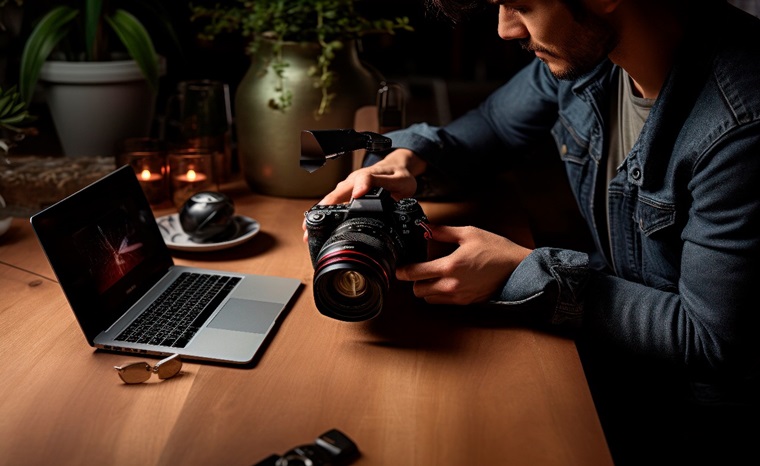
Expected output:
{"points": [[105, 248], [114, 245]]}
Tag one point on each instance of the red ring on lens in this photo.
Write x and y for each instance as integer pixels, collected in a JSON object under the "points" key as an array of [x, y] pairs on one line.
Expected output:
{"points": [[345, 255]]}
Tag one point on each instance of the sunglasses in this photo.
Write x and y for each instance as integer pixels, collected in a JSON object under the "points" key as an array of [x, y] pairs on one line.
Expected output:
{"points": [[138, 372]]}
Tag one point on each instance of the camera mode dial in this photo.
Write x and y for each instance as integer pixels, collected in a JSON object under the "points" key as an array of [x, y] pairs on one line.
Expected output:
{"points": [[315, 217], [407, 204]]}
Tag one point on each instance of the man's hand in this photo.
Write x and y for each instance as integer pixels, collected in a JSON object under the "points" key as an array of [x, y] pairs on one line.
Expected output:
{"points": [[476, 270], [395, 173]]}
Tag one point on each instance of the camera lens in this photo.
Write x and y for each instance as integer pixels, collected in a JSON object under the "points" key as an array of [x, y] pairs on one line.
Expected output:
{"points": [[350, 283], [353, 269], [347, 289]]}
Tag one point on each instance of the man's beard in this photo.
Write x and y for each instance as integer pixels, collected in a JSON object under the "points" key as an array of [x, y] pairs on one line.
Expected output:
{"points": [[588, 49]]}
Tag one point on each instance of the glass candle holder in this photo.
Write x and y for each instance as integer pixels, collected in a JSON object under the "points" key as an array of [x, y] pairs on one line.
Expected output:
{"points": [[191, 171], [199, 115], [147, 157]]}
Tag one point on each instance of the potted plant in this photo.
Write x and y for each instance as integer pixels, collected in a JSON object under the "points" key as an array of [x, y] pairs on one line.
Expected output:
{"points": [[268, 25], [305, 74], [93, 43], [13, 114]]}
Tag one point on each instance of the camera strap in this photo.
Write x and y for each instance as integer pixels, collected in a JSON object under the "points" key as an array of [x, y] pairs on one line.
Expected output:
{"points": [[428, 232]]}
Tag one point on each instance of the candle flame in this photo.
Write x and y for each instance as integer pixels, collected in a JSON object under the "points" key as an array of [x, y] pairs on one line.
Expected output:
{"points": [[145, 174], [191, 175]]}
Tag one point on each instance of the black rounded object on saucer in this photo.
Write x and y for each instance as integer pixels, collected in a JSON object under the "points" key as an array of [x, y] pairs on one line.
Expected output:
{"points": [[208, 216]]}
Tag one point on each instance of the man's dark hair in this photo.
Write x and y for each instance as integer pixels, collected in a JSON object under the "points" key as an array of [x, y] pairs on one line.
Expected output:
{"points": [[454, 10], [457, 10]]}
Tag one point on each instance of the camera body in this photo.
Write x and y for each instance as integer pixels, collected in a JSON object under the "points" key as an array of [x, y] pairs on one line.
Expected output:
{"points": [[333, 448], [402, 219], [356, 247]]}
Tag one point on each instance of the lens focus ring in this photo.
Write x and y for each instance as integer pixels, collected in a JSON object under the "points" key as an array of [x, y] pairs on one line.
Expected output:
{"points": [[354, 268]]}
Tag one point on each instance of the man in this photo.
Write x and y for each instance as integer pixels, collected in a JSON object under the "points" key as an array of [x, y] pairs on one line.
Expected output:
{"points": [[654, 106]]}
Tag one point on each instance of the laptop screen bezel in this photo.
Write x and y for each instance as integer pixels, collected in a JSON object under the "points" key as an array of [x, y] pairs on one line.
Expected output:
{"points": [[56, 226]]}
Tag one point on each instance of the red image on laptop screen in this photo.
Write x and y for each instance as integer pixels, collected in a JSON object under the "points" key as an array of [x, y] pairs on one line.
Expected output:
{"points": [[110, 247]]}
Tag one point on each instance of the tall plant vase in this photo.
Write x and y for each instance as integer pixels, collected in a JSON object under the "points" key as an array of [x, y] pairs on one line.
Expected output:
{"points": [[269, 140], [96, 104]]}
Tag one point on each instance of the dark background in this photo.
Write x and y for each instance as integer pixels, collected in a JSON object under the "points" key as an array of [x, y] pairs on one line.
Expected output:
{"points": [[469, 58], [446, 68]]}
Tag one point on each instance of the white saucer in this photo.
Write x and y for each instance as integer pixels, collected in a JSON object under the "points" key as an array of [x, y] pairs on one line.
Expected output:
{"points": [[176, 238]]}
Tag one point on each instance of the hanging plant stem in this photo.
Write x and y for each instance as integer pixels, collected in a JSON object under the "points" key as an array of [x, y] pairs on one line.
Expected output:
{"points": [[327, 23]]}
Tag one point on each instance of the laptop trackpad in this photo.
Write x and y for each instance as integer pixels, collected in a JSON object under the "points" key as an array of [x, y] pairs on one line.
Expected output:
{"points": [[245, 315]]}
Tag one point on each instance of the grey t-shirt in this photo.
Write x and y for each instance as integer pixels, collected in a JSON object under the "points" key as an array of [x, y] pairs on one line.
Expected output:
{"points": [[628, 114]]}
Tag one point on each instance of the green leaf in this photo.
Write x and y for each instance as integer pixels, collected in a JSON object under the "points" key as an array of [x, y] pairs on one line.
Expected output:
{"points": [[5, 104], [42, 40], [15, 119], [18, 108], [93, 10], [320, 21], [135, 38], [12, 109]]}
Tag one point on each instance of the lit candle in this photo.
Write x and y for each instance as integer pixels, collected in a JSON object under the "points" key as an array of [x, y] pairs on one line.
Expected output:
{"points": [[190, 172], [152, 185], [188, 183], [147, 157], [192, 177]]}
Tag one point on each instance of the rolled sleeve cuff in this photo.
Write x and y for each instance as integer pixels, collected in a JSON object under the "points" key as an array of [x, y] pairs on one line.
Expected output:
{"points": [[550, 282], [420, 138]]}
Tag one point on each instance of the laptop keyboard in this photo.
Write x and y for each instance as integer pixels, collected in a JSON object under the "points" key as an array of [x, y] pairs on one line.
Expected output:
{"points": [[180, 311]]}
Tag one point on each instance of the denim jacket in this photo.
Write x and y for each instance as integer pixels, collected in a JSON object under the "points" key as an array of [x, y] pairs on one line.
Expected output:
{"points": [[683, 256]]}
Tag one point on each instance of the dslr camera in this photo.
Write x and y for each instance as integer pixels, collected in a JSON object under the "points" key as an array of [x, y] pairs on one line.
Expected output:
{"points": [[333, 448], [356, 247]]}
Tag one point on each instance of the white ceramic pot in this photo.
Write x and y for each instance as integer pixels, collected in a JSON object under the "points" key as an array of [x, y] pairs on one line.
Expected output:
{"points": [[96, 104]]}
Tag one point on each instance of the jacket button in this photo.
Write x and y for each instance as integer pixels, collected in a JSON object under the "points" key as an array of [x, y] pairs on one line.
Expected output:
{"points": [[563, 149], [636, 173]]}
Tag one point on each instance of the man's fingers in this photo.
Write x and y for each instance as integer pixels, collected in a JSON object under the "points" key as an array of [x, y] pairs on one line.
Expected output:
{"points": [[437, 267], [446, 234], [339, 195], [420, 271], [440, 291], [361, 187]]}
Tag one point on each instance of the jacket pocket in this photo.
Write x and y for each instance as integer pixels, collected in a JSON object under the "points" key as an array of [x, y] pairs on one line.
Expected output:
{"points": [[652, 216], [571, 146], [579, 166], [657, 244]]}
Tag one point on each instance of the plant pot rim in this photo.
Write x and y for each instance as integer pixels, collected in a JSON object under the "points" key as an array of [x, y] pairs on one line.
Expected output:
{"points": [[60, 71]]}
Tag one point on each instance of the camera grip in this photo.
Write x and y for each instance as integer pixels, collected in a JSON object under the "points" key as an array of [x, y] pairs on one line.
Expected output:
{"points": [[411, 223], [319, 226]]}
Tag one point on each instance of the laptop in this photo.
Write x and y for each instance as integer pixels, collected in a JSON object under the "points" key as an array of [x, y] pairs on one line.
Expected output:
{"points": [[109, 256]]}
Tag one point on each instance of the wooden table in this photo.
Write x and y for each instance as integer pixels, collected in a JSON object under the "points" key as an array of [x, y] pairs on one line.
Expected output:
{"points": [[419, 385]]}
